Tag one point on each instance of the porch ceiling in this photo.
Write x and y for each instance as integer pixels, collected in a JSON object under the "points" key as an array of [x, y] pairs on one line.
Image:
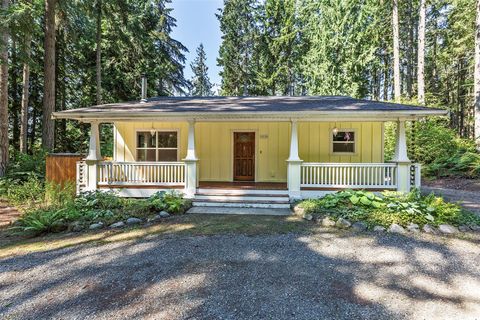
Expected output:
{"points": [[304, 108]]}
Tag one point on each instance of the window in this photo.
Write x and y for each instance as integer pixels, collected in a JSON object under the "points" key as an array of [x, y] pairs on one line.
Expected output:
{"points": [[157, 145], [343, 141]]}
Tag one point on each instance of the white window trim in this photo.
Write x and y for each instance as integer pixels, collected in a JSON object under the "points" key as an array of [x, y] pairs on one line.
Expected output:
{"points": [[355, 142], [156, 148]]}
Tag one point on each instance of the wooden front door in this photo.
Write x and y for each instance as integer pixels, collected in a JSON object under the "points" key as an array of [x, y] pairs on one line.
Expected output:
{"points": [[244, 156]]}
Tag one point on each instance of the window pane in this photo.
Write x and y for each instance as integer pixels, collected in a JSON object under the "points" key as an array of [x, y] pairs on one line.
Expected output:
{"points": [[344, 147], [167, 139], [146, 155], [146, 140], [344, 136], [151, 155], [141, 155], [167, 155]]}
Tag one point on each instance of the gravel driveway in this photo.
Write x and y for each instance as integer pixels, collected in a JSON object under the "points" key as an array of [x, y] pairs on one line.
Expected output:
{"points": [[327, 275]]}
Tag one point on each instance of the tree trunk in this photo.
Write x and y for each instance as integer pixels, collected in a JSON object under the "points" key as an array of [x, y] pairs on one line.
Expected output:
{"points": [[48, 125], [477, 77], [410, 53], [25, 95], [421, 54], [386, 76], [14, 107], [396, 52], [4, 96], [99, 52]]}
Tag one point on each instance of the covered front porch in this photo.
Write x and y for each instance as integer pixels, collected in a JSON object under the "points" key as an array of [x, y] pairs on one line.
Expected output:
{"points": [[303, 179]]}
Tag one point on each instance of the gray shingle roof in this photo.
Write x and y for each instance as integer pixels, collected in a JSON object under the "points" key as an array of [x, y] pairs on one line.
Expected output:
{"points": [[249, 105]]}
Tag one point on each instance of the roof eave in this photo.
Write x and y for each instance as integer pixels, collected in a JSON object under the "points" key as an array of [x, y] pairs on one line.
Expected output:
{"points": [[307, 116]]}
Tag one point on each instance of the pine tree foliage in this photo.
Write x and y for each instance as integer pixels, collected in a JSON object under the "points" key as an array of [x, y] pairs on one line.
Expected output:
{"points": [[330, 47], [238, 24], [269, 47], [135, 38], [200, 83]]}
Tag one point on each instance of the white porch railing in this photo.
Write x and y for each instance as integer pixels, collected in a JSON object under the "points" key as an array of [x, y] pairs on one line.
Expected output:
{"points": [[141, 173], [349, 175]]}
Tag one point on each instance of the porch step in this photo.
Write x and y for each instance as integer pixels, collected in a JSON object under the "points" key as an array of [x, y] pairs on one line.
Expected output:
{"points": [[245, 192], [238, 197], [241, 204], [241, 198], [241, 211]]}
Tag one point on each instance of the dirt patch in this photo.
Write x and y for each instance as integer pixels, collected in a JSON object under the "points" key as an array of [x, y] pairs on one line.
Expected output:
{"points": [[454, 183], [8, 214]]}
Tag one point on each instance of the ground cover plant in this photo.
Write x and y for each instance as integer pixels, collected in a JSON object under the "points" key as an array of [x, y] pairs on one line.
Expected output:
{"points": [[61, 211], [389, 207]]}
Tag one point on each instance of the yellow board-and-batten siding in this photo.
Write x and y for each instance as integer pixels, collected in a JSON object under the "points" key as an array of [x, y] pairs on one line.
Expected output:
{"points": [[214, 145]]}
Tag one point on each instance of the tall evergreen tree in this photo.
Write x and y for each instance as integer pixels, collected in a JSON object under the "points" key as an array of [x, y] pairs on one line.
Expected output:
{"points": [[48, 125], [421, 54], [280, 37], [340, 51], [396, 52], [477, 77], [4, 33], [238, 24], [201, 85]]}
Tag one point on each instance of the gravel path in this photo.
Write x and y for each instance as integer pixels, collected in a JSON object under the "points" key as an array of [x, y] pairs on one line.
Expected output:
{"points": [[470, 200], [327, 275]]}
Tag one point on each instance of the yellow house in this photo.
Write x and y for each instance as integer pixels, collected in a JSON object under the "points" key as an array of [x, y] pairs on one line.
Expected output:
{"points": [[247, 151]]}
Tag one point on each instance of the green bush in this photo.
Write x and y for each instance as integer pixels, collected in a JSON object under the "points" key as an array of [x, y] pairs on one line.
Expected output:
{"points": [[98, 200], [390, 207], [172, 202], [24, 166], [62, 210], [438, 148], [27, 192], [59, 195]]}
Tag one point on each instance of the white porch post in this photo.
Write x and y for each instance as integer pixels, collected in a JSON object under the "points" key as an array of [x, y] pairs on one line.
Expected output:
{"points": [[94, 156], [401, 158], [294, 164], [191, 163]]}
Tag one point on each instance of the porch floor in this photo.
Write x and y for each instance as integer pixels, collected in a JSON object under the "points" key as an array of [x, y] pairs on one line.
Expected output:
{"points": [[242, 185]]}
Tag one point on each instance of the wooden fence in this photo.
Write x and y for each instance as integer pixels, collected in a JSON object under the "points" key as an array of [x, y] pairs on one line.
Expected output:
{"points": [[61, 167]]}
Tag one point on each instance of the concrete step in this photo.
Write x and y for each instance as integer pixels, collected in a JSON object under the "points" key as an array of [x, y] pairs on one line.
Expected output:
{"points": [[247, 192], [241, 204], [237, 197], [241, 211]]}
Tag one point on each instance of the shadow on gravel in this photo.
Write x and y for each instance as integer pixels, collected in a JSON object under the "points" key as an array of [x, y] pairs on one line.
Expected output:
{"points": [[324, 275]]}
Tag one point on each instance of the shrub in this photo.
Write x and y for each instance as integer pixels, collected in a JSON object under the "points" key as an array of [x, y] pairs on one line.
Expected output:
{"points": [[40, 221], [99, 200], [62, 209], [28, 192], [59, 195], [438, 148], [390, 207], [24, 166], [172, 202]]}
